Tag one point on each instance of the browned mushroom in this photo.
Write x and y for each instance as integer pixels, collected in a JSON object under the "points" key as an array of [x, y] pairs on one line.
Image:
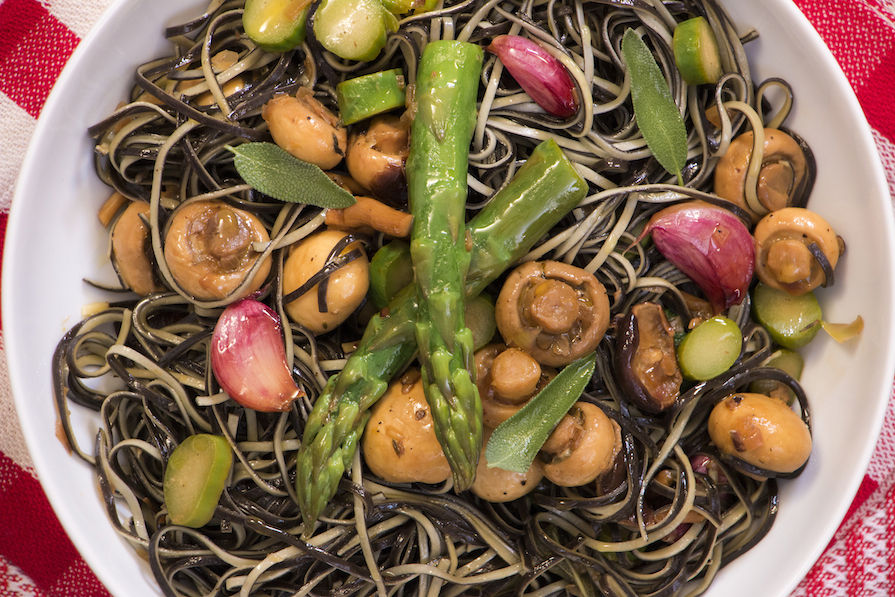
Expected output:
{"points": [[131, 251], [645, 359], [761, 431], [554, 311], [209, 249], [377, 155], [495, 484], [399, 443], [796, 250], [507, 378], [305, 128], [327, 298], [582, 447], [781, 181]]}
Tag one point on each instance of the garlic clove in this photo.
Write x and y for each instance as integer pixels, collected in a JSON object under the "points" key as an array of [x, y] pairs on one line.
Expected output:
{"points": [[542, 76], [249, 360], [710, 245]]}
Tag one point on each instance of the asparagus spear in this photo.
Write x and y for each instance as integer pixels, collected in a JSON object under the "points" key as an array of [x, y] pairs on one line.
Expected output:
{"points": [[543, 190], [447, 84]]}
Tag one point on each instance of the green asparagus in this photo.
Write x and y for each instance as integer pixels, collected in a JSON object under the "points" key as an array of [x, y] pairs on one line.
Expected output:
{"points": [[436, 188], [543, 190]]}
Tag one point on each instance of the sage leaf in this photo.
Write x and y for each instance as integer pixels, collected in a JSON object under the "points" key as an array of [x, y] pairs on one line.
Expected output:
{"points": [[515, 443], [657, 115], [274, 172]]}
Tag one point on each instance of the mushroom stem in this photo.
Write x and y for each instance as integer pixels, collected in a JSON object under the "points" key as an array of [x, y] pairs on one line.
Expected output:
{"points": [[369, 212]]}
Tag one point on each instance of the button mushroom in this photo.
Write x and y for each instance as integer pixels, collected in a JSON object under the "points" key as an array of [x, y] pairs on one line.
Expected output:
{"points": [[582, 447], [376, 158], [761, 431], [305, 128], [495, 484], [645, 359], [399, 443], [554, 311], [131, 251], [324, 291], [782, 180], [209, 249], [507, 378], [796, 250]]}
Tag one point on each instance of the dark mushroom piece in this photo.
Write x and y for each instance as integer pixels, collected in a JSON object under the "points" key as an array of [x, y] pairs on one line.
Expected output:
{"points": [[796, 250], [131, 251], [507, 379], [556, 312], [582, 447], [645, 359], [781, 181], [376, 158], [209, 249], [761, 431]]}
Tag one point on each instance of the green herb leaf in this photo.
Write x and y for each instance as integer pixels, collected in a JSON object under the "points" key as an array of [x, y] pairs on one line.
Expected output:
{"points": [[657, 115], [515, 443], [276, 173]]}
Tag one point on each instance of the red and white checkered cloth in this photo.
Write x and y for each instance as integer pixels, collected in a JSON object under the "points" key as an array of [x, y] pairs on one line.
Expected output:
{"points": [[37, 38]]}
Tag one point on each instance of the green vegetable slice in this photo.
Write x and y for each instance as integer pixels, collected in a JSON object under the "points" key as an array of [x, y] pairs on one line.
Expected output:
{"points": [[274, 172], [481, 320], [515, 443], [401, 7], [793, 321], [391, 269], [353, 29], [194, 479], [276, 25], [696, 52], [786, 360], [657, 115], [369, 95], [710, 348]]}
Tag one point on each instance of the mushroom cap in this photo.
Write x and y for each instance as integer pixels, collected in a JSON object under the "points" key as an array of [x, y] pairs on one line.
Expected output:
{"points": [[376, 158], [344, 289], [306, 129], [583, 446], [554, 311], [495, 484], [516, 372], [761, 431], [782, 257], [208, 249], [780, 182], [131, 251], [399, 442]]}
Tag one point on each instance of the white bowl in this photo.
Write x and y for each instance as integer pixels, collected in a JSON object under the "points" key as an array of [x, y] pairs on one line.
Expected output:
{"points": [[54, 240]]}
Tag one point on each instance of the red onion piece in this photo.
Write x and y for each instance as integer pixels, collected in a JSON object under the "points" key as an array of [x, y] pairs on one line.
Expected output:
{"points": [[542, 76], [249, 360], [710, 245]]}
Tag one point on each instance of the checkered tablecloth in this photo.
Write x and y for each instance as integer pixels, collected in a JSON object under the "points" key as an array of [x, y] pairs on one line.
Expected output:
{"points": [[36, 39]]}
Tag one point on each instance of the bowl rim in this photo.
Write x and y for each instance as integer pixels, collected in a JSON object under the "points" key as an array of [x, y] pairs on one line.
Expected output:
{"points": [[112, 17]]}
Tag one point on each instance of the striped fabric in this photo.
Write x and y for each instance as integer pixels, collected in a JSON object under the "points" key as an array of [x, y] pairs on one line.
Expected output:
{"points": [[36, 39]]}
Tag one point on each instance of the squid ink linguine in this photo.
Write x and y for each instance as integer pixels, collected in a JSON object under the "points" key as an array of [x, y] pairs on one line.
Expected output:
{"points": [[673, 509]]}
